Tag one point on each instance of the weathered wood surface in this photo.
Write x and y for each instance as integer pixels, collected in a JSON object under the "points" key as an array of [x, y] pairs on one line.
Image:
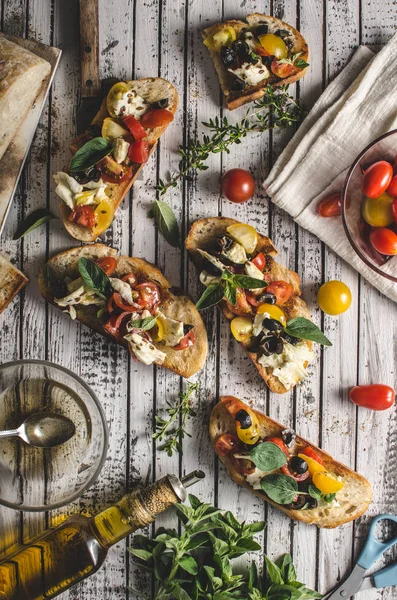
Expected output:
{"points": [[152, 37]]}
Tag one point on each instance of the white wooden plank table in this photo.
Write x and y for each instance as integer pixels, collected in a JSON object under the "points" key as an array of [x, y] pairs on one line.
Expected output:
{"points": [[140, 38]]}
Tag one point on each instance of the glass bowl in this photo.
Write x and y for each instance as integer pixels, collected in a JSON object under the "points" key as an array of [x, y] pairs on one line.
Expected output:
{"points": [[38, 479], [357, 230]]}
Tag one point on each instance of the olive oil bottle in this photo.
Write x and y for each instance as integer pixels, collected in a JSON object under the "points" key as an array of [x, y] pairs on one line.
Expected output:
{"points": [[74, 550]]}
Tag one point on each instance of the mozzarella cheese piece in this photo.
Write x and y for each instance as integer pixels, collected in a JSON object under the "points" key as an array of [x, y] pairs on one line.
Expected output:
{"points": [[206, 279], [251, 74], [253, 271], [123, 288], [212, 259], [254, 479], [258, 323], [173, 329], [289, 366], [67, 188], [144, 350], [120, 150], [80, 296], [130, 104]]}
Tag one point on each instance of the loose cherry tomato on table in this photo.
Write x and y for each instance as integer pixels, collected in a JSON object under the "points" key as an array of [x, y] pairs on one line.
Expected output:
{"points": [[238, 185], [281, 289], [83, 215], [282, 70], [330, 206], [384, 240], [135, 127], [157, 117], [107, 264], [138, 151], [376, 179], [334, 297], [375, 396], [226, 443], [392, 189], [378, 212], [186, 341]]}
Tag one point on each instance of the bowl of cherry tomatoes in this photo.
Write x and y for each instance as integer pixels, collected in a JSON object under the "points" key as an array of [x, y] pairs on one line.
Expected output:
{"points": [[369, 205]]}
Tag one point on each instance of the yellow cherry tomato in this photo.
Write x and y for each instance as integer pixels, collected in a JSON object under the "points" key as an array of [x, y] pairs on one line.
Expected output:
{"points": [[378, 211], [115, 94], [274, 312], [222, 37], [112, 130], [326, 483], [314, 466], [241, 328], [247, 426], [245, 235], [274, 45], [334, 297], [104, 215], [158, 332]]}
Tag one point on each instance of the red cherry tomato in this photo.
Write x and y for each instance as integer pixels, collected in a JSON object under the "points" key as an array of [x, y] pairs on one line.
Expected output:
{"points": [[118, 301], [107, 264], [384, 240], [282, 70], [113, 325], [138, 152], [259, 261], [157, 117], [226, 443], [330, 206], [308, 450], [376, 179], [238, 185], [394, 210], [233, 405], [375, 396], [135, 127], [83, 215], [279, 442], [113, 172], [281, 289], [296, 476], [392, 189], [131, 279], [186, 341], [150, 294]]}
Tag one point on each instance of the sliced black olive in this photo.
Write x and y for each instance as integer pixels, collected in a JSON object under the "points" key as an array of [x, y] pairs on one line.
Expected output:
{"points": [[298, 465], [91, 174], [244, 419], [262, 30], [242, 50], [291, 339], [237, 85], [228, 57], [282, 33], [255, 343], [187, 328], [210, 268], [311, 502], [163, 103], [299, 503], [288, 436], [224, 242], [267, 298], [271, 345], [272, 325]]}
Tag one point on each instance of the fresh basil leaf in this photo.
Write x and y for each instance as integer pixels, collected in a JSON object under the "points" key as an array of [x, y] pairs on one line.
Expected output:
{"points": [[211, 295], [88, 155], [230, 293], [267, 456], [273, 572], [314, 492], [189, 564], [166, 222], [32, 221], [253, 576], [141, 554], [94, 277], [248, 283], [301, 63], [329, 497], [280, 488], [143, 324], [303, 328]]}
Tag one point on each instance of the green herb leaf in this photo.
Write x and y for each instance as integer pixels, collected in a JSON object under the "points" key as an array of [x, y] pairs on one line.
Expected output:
{"points": [[94, 277], [303, 328], [329, 497], [32, 221], [301, 63], [273, 572], [144, 324], [280, 488], [248, 283], [211, 295], [230, 293], [314, 492], [189, 564], [90, 154], [166, 222], [267, 456]]}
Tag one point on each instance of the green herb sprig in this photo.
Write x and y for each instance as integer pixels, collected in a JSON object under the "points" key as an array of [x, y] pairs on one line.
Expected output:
{"points": [[228, 286], [275, 110], [168, 430], [197, 563]]}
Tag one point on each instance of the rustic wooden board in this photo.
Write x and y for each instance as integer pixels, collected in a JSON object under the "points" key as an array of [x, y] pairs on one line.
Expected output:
{"points": [[139, 38]]}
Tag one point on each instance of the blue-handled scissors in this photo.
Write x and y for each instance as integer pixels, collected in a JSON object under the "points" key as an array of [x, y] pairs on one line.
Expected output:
{"points": [[373, 549]]}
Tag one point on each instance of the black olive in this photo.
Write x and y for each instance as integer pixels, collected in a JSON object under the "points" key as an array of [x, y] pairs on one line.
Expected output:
{"points": [[244, 419], [228, 57], [163, 103], [267, 298], [243, 32], [312, 502], [299, 503], [255, 343], [224, 242], [298, 465], [272, 325], [271, 345], [187, 328], [210, 268], [237, 85], [282, 33], [262, 30], [242, 50], [291, 339], [91, 174], [288, 436]]}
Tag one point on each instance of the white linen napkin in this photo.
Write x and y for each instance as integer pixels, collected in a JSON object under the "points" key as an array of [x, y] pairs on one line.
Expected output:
{"points": [[357, 107]]}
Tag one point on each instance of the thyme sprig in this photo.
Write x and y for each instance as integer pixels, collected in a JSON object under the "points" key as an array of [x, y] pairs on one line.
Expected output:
{"points": [[276, 109], [168, 430]]}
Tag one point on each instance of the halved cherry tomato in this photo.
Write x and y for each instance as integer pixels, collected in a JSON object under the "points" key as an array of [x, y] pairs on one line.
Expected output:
{"points": [[308, 451], [186, 341], [226, 443], [326, 483], [157, 117], [241, 307], [107, 264], [113, 325], [281, 289], [131, 279], [330, 206], [282, 70], [113, 172], [279, 442], [138, 152], [118, 300], [384, 240], [376, 179], [259, 261], [394, 210], [150, 294], [83, 215], [375, 396], [392, 189], [233, 405], [135, 127], [297, 476], [273, 45]]}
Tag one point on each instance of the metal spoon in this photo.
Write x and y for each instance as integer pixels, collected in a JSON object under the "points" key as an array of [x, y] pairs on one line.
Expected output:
{"points": [[43, 430]]}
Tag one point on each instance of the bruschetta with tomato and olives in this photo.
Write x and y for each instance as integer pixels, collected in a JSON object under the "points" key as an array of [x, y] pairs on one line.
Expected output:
{"points": [[130, 301], [259, 297], [282, 468], [250, 55], [109, 156]]}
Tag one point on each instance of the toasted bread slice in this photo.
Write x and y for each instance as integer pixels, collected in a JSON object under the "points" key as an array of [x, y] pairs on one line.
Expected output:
{"points": [[200, 236], [183, 362], [234, 99], [353, 499], [151, 89], [12, 280]]}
